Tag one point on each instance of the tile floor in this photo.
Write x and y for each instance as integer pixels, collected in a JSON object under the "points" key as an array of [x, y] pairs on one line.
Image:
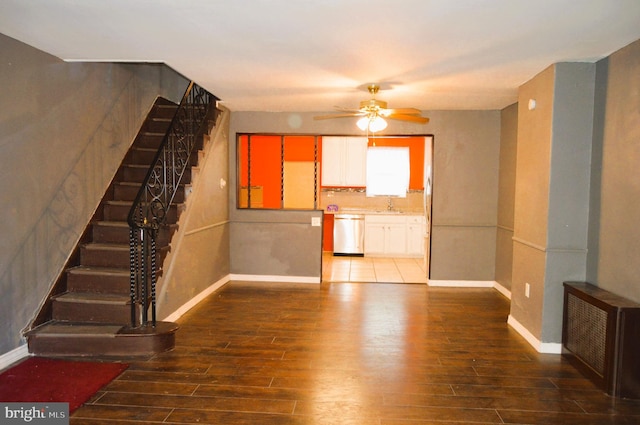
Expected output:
{"points": [[368, 269]]}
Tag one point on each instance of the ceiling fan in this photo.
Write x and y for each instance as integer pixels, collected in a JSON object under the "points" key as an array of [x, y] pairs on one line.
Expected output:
{"points": [[374, 111]]}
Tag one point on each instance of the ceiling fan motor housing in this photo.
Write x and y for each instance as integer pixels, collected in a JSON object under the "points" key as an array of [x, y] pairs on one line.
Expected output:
{"points": [[373, 105]]}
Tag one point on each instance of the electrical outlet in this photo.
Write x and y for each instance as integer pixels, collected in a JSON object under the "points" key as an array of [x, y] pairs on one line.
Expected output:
{"points": [[315, 221], [527, 289]]}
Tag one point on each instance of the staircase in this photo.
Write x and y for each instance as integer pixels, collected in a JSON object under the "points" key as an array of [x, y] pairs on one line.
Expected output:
{"points": [[91, 312]]}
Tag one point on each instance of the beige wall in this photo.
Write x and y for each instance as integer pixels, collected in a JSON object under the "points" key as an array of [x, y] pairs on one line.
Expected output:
{"points": [[569, 191], [64, 129], [199, 255], [506, 194], [614, 246], [552, 194], [532, 199], [465, 196]]}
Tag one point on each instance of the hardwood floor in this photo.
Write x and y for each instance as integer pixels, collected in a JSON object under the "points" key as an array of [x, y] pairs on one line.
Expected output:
{"points": [[347, 353]]}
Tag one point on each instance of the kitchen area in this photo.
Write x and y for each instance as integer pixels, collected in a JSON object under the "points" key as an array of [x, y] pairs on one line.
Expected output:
{"points": [[374, 194], [376, 202]]}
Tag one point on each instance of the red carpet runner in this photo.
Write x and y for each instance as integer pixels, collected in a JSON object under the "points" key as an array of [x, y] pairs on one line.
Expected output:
{"points": [[39, 379]]}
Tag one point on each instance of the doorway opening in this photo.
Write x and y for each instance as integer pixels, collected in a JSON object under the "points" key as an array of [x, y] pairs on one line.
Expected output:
{"points": [[410, 229]]}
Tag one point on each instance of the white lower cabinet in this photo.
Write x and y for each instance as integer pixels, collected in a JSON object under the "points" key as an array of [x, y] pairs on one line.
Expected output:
{"points": [[393, 235], [415, 235]]}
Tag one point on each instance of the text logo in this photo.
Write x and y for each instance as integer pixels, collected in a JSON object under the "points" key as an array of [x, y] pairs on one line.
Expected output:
{"points": [[34, 413]]}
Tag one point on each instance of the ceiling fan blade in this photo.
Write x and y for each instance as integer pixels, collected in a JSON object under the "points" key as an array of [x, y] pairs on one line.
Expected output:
{"points": [[348, 115], [403, 111], [343, 109], [413, 118]]}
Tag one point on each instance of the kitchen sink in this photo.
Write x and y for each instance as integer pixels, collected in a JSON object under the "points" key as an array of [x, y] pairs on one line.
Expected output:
{"points": [[389, 212]]}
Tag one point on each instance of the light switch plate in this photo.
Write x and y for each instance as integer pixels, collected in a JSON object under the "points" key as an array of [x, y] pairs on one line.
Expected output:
{"points": [[315, 221]]}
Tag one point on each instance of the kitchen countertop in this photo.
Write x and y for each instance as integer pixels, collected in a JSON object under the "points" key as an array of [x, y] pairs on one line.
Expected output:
{"points": [[375, 211]]}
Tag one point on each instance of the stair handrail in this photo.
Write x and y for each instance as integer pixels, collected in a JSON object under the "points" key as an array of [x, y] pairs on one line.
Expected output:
{"points": [[151, 205]]}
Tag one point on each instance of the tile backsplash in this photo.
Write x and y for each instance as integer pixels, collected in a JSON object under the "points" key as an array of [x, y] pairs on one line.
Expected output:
{"points": [[356, 199]]}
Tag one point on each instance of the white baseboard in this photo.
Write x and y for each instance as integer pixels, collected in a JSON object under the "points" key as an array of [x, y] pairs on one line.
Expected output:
{"points": [[462, 283], [471, 284], [7, 359], [504, 291], [220, 283], [195, 300], [541, 347], [267, 278]]}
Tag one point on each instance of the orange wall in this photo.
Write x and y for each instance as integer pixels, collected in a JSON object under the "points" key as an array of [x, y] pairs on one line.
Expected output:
{"points": [[299, 148], [327, 233], [266, 151], [265, 167]]}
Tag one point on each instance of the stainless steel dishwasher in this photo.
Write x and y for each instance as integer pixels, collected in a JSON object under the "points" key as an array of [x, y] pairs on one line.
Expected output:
{"points": [[348, 234]]}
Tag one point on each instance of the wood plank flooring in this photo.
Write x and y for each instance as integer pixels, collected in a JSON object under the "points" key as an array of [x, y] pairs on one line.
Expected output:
{"points": [[351, 354]]}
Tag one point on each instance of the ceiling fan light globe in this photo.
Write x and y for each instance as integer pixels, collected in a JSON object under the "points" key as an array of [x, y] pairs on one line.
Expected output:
{"points": [[363, 123], [377, 124]]}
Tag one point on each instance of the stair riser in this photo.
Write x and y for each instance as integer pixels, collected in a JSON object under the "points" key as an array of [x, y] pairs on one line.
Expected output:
{"points": [[140, 157], [100, 284], [138, 174], [132, 174], [116, 259], [120, 235], [158, 125], [104, 258], [110, 234], [129, 193], [116, 212], [91, 313], [149, 140], [108, 345], [146, 157], [165, 111], [121, 212]]}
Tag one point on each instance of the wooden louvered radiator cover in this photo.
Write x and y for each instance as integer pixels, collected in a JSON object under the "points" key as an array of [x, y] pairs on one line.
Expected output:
{"points": [[601, 337]]}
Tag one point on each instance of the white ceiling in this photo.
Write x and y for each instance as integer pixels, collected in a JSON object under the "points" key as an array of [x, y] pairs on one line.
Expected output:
{"points": [[310, 55]]}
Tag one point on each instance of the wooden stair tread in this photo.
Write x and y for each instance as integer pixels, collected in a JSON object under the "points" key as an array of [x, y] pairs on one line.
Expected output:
{"points": [[111, 247], [99, 271], [65, 329], [129, 203], [137, 184], [146, 167], [69, 329], [65, 339], [92, 298], [107, 246], [112, 223], [118, 223], [124, 224], [141, 148]]}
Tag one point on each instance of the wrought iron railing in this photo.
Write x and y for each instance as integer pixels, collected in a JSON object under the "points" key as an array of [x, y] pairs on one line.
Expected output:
{"points": [[153, 202]]}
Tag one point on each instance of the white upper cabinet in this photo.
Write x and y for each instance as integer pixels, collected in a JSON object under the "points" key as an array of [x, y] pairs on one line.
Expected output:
{"points": [[344, 161]]}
